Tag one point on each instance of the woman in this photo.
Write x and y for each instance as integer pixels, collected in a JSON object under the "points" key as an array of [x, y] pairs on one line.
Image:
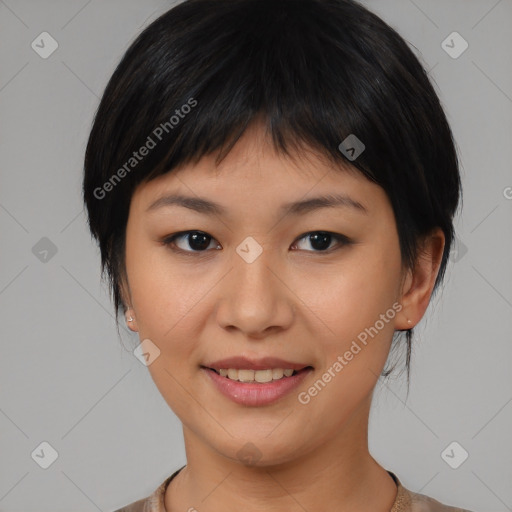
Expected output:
{"points": [[272, 185]]}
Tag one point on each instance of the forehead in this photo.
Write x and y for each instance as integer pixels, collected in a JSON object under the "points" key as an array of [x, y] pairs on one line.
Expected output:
{"points": [[254, 175]]}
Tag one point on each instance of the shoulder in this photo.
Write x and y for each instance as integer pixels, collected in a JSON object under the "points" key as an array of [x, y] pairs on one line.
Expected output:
{"points": [[422, 503], [154, 502], [408, 501]]}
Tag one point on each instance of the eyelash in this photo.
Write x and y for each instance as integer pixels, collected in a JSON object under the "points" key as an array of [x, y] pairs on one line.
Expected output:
{"points": [[169, 241]]}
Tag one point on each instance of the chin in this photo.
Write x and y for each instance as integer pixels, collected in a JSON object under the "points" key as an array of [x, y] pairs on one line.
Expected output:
{"points": [[265, 452]]}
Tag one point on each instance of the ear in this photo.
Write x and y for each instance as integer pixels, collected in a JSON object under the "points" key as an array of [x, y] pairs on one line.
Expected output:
{"points": [[126, 298], [419, 282]]}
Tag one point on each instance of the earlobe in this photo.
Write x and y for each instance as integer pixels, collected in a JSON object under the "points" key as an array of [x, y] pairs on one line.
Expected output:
{"points": [[130, 320], [124, 291], [419, 283]]}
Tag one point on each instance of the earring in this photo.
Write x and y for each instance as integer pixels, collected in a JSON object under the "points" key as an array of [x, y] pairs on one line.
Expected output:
{"points": [[409, 321], [130, 319]]}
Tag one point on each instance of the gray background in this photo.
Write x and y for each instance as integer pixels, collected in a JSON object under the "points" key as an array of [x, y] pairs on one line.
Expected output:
{"points": [[65, 378]]}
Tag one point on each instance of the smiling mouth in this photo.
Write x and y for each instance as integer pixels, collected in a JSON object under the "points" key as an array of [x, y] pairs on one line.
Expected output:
{"points": [[257, 376]]}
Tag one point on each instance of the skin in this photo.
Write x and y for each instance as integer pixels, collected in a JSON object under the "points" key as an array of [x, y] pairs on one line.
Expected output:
{"points": [[295, 301]]}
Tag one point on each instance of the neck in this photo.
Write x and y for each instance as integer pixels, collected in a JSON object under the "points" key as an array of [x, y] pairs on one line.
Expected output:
{"points": [[336, 474]]}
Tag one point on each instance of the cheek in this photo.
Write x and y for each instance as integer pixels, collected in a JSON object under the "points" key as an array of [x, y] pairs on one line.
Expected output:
{"points": [[356, 312], [162, 293], [167, 300], [352, 296]]}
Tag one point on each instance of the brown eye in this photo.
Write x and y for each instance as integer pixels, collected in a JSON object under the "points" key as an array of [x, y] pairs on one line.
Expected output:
{"points": [[199, 241], [321, 240], [191, 241]]}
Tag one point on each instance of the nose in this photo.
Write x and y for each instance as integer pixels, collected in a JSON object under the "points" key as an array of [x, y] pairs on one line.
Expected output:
{"points": [[254, 298]]}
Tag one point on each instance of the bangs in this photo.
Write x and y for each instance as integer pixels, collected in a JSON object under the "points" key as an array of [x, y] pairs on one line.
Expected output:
{"points": [[308, 87]]}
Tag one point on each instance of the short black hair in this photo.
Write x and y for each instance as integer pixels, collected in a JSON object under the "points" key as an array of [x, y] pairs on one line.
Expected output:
{"points": [[313, 71]]}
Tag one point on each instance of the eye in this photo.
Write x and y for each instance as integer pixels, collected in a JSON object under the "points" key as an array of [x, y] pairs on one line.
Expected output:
{"points": [[321, 240], [199, 241]]}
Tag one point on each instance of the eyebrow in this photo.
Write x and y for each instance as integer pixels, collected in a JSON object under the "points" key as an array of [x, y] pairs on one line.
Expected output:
{"points": [[302, 207]]}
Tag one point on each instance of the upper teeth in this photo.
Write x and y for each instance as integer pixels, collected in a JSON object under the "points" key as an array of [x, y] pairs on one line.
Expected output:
{"points": [[255, 375]]}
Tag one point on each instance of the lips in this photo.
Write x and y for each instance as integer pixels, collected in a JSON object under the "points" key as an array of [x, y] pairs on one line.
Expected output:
{"points": [[244, 363], [256, 394]]}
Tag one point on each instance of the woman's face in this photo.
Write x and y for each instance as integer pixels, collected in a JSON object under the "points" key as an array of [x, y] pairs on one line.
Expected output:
{"points": [[261, 282]]}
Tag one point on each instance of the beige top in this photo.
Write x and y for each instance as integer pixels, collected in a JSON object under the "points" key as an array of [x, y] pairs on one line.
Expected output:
{"points": [[405, 501]]}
